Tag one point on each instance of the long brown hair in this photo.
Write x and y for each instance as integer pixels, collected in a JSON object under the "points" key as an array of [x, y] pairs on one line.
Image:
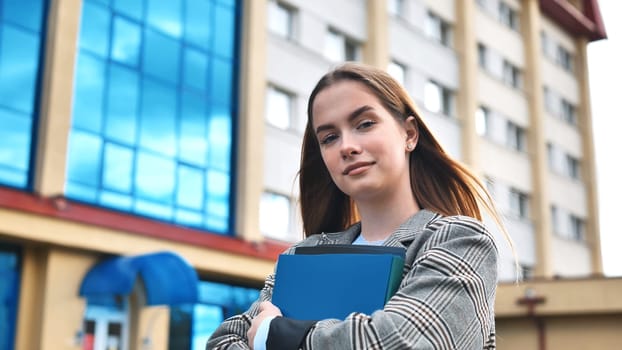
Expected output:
{"points": [[438, 182]]}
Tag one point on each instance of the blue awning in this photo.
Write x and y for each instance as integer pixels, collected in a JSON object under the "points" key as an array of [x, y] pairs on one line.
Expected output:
{"points": [[168, 278]]}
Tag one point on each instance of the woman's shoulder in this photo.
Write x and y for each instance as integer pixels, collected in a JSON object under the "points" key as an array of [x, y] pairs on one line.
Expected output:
{"points": [[456, 227], [461, 222]]}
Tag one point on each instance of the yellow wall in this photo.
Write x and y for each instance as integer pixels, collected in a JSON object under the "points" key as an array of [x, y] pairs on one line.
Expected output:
{"points": [[562, 333], [51, 312]]}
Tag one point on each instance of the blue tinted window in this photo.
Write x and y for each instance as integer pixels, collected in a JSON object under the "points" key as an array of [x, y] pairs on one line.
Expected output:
{"points": [[221, 81], [18, 68], [122, 95], [95, 28], [158, 117], [224, 18], [153, 103], [9, 294], [193, 130], [130, 8], [118, 168], [198, 23], [87, 109], [21, 22], [24, 13], [14, 147], [83, 159], [165, 16], [126, 41], [217, 302], [195, 69], [162, 54]]}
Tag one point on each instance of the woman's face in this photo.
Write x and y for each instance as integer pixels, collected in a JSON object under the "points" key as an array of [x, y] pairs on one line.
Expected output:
{"points": [[362, 144]]}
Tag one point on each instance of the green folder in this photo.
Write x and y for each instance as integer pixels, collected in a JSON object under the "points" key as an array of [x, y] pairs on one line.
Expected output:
{"points": [[332, 281]]}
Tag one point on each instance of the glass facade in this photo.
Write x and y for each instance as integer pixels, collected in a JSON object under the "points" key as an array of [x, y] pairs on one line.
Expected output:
{"points": [[9, 293], [192, 325], [21, 33], [154, 108]]}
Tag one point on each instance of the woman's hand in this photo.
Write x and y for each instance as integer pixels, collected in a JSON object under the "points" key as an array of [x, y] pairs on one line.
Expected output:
{"points": [[266, 309]]}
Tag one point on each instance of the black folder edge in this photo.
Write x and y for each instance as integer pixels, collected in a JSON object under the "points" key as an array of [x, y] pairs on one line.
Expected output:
{"points": [[351, 249]]}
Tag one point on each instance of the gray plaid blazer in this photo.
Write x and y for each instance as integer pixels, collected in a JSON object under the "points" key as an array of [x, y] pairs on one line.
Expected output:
{"points": [[445, 300]]}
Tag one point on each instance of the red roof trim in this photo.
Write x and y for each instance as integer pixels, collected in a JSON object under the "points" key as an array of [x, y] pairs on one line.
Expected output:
{"points": [[62, 208], [587, 23]]}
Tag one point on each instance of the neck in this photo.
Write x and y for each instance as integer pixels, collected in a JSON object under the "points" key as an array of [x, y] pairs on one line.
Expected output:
{"points": [[380, 218]]}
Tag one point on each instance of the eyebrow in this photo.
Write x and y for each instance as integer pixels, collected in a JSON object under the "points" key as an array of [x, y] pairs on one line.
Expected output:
{"points": [[357, 112]]}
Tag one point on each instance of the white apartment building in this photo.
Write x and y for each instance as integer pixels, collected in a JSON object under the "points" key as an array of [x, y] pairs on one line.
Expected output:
{"points": [[502, 83]]}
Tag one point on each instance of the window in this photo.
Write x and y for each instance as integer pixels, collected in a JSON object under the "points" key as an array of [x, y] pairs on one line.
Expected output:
{"points": [[550, 153], [10, 267], [518, 203], [568, 112], [340, 48], [555, 219], [515, 137], [437, 98], [152, 90], [397, 71], [279, 108], [508, 16], [526, 272], [281, 19], [482, 116], [564, 58], [511, 75], [559, 107], [482, 53], [191, 325], [545, 43], [437, 29], [577, 228], [573, 168], [274, 216], [21, 34], [549, 101], [396, 7]]}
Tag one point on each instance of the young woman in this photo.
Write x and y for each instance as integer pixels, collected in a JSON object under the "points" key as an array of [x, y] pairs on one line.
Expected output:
{"points": [[372, 173]]}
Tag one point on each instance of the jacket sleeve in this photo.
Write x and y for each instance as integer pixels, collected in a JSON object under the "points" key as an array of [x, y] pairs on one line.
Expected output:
{"points": [[231, 334], [445, 300]]}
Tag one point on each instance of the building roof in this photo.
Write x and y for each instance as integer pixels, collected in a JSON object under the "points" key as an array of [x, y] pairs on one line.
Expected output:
{"points": [[580, 22]]}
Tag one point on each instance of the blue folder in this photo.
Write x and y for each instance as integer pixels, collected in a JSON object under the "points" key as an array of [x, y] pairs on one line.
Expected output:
{"points": [[323, 284]]}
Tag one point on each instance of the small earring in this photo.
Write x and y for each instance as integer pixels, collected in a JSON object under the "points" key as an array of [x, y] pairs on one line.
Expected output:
{"points": [[410, 146]]}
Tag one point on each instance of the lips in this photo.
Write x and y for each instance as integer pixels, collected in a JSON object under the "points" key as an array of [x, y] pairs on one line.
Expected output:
{"points": [[356, 167]]}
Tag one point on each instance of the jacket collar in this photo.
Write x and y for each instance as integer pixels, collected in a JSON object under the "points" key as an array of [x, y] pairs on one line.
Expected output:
{"points": [[401, 237]]}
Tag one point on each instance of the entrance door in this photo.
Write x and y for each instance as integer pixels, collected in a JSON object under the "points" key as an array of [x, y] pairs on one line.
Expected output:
{"points": [[106, 328]]}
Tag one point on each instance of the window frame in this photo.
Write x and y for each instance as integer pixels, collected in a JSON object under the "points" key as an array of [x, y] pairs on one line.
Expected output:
{"points": [[291, 100], [516, 138], [508, 16], [512, 75], [438, 29], [519, 203], [445, 98], [290, 12], [350, 48], [288, 235]]}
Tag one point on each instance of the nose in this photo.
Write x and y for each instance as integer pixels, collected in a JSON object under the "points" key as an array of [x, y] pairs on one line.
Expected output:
{"points": [[349, 146]]}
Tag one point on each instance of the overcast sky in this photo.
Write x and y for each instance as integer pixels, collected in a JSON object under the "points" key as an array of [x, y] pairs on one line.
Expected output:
{"points": [[605, 69]]}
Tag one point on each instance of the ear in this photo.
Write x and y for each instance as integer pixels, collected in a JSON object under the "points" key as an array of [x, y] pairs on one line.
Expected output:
{"points": [[412, 133]]}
